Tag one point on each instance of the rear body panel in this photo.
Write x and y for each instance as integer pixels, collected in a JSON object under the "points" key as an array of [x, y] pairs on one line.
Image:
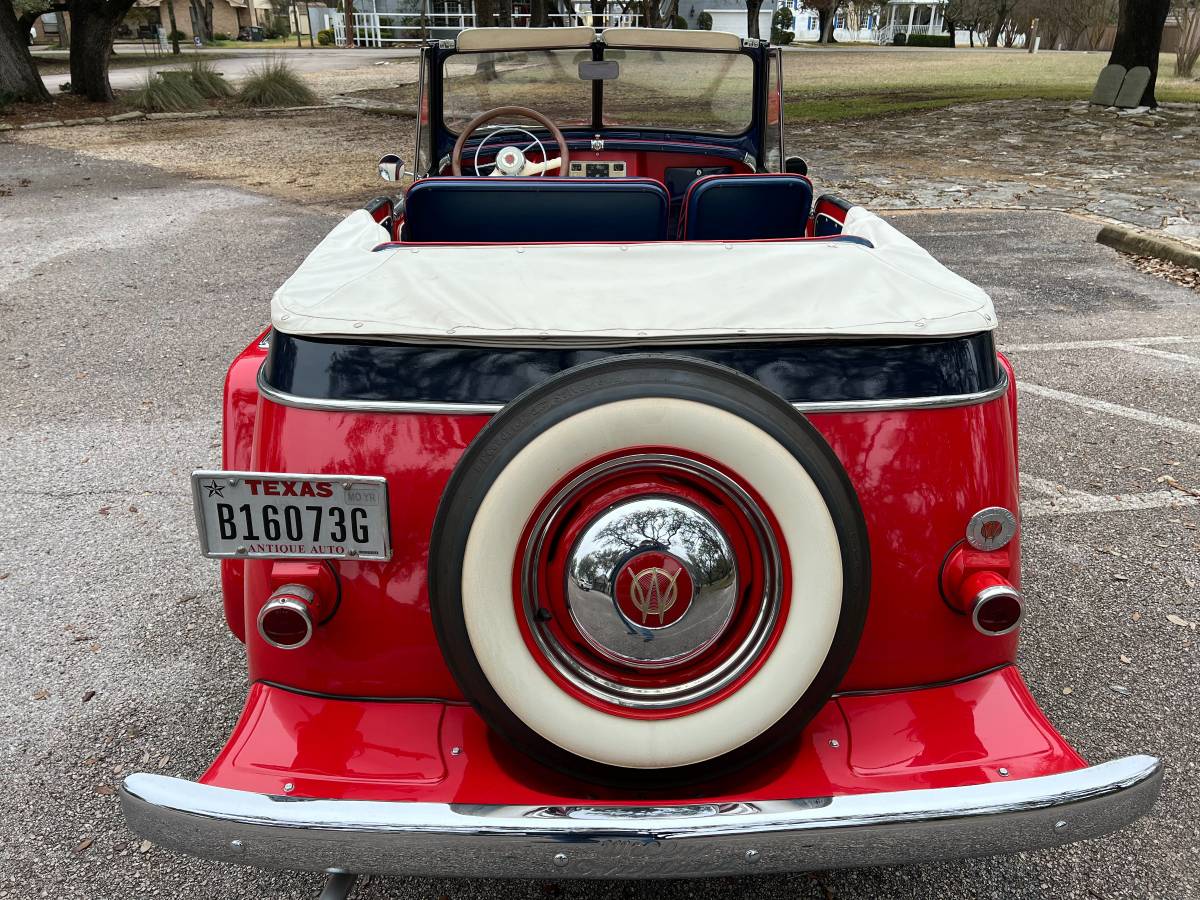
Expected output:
{"points": [[920, 474], [432, 751]]}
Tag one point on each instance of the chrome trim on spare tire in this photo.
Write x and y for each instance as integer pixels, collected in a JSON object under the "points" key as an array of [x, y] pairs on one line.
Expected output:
{"points": [[668, 840], [486, 409], [745, 655]]}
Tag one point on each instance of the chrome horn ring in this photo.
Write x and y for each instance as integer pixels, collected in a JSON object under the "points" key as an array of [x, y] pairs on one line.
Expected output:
{"points": [[613, 627]]}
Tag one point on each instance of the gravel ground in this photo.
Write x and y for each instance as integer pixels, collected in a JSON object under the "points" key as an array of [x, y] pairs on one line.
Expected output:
{"points": [[125, 289], [324, 157]]}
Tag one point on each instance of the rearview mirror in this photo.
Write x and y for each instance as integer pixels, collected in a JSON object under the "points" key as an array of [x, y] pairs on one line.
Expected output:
{"points": [[599, 70], [391, 167]]}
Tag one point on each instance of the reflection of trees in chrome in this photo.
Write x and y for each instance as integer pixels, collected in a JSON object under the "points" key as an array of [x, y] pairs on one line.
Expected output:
{"points": [[653, 526]]}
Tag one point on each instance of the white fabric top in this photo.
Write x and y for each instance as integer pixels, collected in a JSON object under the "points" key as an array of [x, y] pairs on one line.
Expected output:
{"points": [[627, 294], [669, 38], [470, 40]]}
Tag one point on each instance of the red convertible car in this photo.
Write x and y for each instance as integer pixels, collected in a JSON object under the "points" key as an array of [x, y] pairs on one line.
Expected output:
{"points": [[610, 505]]}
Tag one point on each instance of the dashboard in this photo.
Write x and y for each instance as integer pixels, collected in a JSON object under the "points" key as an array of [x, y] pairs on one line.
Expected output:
{"points": [[614, 168]]}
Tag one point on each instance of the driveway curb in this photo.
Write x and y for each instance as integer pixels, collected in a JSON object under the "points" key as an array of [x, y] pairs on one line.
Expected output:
{"points": [[1142, 244], [137, 115]]}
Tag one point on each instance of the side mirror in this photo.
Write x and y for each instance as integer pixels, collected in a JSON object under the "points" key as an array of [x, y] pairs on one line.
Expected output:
{"points": [[391, 167], [794, 165]]}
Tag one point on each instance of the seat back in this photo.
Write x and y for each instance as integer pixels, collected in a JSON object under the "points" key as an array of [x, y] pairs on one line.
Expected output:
{"points": [[535, 210], [746, 207]]}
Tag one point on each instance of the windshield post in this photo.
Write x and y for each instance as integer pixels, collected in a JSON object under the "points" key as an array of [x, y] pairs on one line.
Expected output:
{"points": [[597, 90]]}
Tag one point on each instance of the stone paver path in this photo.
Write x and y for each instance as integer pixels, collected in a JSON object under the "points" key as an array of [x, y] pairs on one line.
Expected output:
{"points": [[1141, 170]]}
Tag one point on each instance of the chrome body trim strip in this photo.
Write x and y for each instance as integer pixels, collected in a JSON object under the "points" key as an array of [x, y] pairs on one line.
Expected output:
{"points": [[665, 841], [487, 409]]}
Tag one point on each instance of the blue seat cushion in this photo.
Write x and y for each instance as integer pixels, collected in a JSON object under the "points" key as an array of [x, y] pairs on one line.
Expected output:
{"points": [[747, 207], [535, 210]]}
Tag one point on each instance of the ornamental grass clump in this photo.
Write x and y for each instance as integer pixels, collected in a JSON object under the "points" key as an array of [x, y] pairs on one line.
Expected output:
{"points": [[173, 92], [274, 83], [208, 81]]}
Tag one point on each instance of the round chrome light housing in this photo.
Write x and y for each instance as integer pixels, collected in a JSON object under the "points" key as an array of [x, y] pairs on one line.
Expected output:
{"points": [[284, 621], [997, 610], [991, 528]]}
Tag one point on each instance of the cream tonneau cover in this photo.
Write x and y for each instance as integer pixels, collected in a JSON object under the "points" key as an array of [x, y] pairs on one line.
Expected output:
{"points": [[679, 292]]}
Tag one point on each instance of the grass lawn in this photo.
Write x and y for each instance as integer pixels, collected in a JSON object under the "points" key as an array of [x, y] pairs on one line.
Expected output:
{"points": [[830, 86]]}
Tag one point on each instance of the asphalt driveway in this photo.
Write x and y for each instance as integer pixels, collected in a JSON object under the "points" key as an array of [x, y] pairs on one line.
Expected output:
{"points": [[124, 291]]}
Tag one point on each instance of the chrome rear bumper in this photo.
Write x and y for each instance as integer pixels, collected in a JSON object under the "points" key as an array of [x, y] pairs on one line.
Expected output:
{"points": [[669, 841]]}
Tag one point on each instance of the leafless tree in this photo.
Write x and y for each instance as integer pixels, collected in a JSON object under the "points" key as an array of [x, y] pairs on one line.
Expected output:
{"points": [[1187, 15]]}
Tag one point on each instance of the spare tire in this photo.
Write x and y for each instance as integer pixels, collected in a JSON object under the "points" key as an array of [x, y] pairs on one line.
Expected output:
{"points": [[648, 571]]}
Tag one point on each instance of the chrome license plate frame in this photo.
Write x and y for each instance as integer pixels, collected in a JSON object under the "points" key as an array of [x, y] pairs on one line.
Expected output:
{"points": [[284, 515]]}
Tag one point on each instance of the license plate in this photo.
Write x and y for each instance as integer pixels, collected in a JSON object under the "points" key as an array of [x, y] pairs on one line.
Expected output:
{"points": [[273, 515]]}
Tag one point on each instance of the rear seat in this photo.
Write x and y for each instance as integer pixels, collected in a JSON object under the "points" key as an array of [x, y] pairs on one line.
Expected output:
{"points": [[535, 210], [746, 207]]}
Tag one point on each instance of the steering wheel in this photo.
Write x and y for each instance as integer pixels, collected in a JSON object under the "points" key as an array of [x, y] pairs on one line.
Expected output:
{"points": [[510, 159]]}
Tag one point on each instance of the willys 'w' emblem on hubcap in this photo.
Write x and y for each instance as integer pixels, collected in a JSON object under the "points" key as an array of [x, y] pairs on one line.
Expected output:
{"points": [[653, 589]]}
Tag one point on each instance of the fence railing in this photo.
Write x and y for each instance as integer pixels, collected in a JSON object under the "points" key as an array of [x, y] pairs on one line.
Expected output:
{"points": [[376, 29], [887, 33]]}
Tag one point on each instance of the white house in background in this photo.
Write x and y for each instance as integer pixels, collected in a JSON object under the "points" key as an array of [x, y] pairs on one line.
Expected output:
{"points": [[733, 20], [855, 22], [911, 17]]}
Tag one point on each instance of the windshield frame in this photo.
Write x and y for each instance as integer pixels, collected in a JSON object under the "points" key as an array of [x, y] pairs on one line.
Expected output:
{"points": [[749, 143]]}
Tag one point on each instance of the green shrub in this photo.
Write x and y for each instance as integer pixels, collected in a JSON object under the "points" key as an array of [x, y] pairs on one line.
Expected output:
{"points": [[930, 40], [208, 81], [173, 92], [781, 24], [275, 83], [325, 37], [176, 35], [704, 21], [900, 39], [220, 36], [679, 23]]}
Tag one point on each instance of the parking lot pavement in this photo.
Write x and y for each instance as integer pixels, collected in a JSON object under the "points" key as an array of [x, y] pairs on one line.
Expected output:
{"points": [[124, 291]]}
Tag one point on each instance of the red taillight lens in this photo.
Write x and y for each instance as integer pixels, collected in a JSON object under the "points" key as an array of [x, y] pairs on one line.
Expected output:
{"points": [[284, 620], [994, 604], [998, 613]]}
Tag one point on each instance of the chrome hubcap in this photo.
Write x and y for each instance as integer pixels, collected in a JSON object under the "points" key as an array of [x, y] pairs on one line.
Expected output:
{"points": [[651, 582], [661, 615]]}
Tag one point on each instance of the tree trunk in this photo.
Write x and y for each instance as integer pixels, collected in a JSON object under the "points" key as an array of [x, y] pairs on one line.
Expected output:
{"points": [[951, 28], [752, 9], [174, 27], [1139, 39], [506, 9], [19, 76], [538, 15], [199, 25], [1189, 42], [826, 19], [92, 27]]}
